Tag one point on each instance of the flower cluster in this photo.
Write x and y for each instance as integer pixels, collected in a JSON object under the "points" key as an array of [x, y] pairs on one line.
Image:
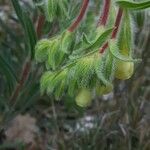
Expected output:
{"points": [[78, 69]]}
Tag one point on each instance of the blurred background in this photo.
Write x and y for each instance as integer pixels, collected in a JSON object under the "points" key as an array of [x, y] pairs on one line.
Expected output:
{"points": [[29, 121]]}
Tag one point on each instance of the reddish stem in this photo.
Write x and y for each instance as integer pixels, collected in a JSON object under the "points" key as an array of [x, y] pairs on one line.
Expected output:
{"points": [[80, 16], [115, 30], [102, 49], [24, 76], [40, 25], [104, 16], [117, 23]]}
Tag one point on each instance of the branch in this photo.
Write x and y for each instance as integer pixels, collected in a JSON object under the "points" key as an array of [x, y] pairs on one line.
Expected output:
{"points": [[24, 76], [80, 16], [115, 30], [40, 25], [104, 16], [117, 23]]}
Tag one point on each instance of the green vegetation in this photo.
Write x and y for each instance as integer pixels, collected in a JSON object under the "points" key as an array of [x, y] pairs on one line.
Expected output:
{"points": [[60, 61]]}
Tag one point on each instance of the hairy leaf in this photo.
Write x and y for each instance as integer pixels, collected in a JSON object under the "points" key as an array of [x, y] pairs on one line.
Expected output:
{"points": [[84, 70], [67, 39], [125, 40], [85, 39], [113, 48], [41, 50], [59, 78], [100, 39], [50, 9], [133, 5], [109, 67], [100, 69], [55, 55], [45, 79]]}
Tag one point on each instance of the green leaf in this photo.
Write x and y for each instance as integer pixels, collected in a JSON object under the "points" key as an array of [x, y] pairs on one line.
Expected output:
{"points": [[62, 9], [100, 70], [109, 67], [133, 5], [55, 56], [50, 9], [101, 39], [112, 14], [113, 48], [18, 11], [28, 26], [85, 39], [8, 72], [97, 43], [45, 79], [84, 70], [125, 40], [73, 86], [55, 82], [52, 55], [30, 34], [66, 41], [28, 100], [60, 89], [41, 50], [99, 30]]}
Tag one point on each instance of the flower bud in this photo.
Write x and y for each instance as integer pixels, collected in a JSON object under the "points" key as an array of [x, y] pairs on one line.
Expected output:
{"points": [[84, 98], [124, 70]]}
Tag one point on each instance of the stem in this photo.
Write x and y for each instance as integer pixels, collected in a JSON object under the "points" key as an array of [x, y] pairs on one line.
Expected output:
{"points": [[103, 48], [24, 76], [104, 16], [40, 25], [115, 30], [80, 16], [117, 23]]}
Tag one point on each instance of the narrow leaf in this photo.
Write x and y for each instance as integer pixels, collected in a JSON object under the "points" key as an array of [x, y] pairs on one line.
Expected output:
{"points": [[101, 39], [30, 34], [8, 72], [28, 27], [85, 39], [50, 9], [133, 5], [18, 11], [103, 35], [6, 69]]}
